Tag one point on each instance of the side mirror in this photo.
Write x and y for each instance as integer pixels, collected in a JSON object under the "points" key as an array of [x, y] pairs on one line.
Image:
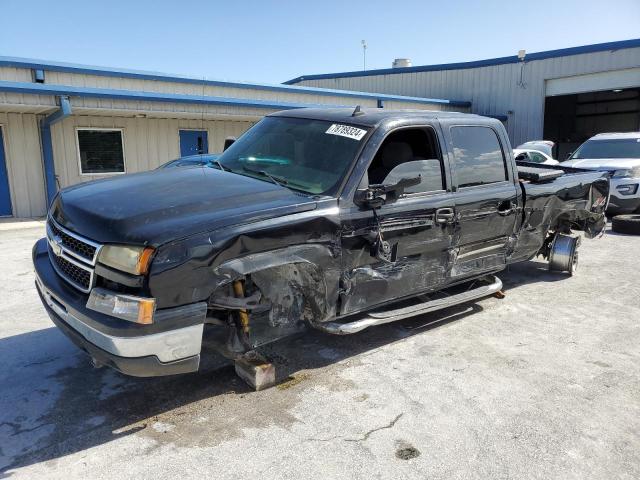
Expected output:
{"points": [[228, 142], [377, 195], [569, 155]]}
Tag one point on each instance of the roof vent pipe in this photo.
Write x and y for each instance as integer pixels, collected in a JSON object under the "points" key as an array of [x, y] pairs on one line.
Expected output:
{"points": [[401, 63]]}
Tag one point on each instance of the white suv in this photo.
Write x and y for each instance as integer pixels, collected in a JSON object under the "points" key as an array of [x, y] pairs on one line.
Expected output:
{"points": [[619, 154]]}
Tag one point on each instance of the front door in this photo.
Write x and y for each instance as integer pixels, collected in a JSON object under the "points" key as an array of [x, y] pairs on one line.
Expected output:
{"points": [[193, 142], [486, 199], [418, 227], [5, 196]]}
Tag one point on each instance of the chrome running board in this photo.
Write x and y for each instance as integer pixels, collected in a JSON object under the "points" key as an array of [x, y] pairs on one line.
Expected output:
{"points": [[378, 317]]}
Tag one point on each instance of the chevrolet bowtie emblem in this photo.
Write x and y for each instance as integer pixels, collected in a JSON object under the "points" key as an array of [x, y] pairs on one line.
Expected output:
{"points": [[56, 247]]}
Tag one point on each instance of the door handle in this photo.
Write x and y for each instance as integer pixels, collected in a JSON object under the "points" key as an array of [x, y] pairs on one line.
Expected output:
{"points": [[445, 215], [506, 208]]}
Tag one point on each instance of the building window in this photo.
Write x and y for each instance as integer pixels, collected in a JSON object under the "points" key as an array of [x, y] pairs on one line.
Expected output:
{"points": [[478, 156], [101, 150]]}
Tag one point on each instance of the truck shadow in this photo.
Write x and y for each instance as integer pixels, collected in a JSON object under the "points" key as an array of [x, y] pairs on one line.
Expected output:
{"points": [[78, 407], [56, 404], [524, 273]]}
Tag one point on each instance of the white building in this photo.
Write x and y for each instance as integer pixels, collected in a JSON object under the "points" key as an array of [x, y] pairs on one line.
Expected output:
{"points": [[565, 95], [61, 124]]}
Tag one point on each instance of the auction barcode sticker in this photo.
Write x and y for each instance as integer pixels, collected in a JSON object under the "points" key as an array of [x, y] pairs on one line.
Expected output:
{"points": [[346, 131]]}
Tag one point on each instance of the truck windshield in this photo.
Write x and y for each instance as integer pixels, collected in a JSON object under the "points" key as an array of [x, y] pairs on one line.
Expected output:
{"points": [[312, 156], [619, 148]]}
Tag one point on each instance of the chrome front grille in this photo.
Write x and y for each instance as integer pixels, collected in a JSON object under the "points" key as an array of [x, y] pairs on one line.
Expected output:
{"points": [[78, 276], [72, 256], [82, 248]]}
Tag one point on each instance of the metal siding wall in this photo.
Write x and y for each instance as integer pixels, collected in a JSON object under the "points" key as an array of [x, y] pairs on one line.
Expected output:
{"points": [[492, 89], [96, 81], [134, 84], [148, 142], [24, 164], [12, 74]]}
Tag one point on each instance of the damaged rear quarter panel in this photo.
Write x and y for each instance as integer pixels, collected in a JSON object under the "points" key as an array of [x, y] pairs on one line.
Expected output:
{"points": [[573, 199]]}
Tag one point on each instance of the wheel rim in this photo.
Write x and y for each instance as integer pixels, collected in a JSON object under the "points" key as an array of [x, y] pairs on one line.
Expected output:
{"points": [[574, 262]]}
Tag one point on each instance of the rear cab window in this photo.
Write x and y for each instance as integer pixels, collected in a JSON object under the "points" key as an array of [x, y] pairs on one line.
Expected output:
{"points": [[478, 156]]}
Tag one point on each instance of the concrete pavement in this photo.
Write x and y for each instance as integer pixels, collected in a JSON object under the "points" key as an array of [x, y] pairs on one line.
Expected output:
{"points": [[542, 384]]}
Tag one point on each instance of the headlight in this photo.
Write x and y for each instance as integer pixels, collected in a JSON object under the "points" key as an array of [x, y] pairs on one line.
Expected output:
{"points": [[134, 260], [627, 172], [621, 173], [127, 307]]}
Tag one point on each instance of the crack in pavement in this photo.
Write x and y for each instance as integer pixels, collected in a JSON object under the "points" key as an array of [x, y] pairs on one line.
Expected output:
{"points": [[391, 424], [365, 437]]}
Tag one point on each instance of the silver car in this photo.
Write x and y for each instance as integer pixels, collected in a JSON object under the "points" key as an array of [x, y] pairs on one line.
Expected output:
{"points": [[618, 154]]}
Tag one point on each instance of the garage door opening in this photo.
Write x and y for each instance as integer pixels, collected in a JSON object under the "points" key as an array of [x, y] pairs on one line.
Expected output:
{"points": [[569, 120]]}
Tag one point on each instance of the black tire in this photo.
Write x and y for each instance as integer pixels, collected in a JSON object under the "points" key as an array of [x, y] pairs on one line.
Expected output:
{"points": [[626, 224]]}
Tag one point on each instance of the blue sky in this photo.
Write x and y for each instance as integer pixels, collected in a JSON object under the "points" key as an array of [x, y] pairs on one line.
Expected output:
{"points": [[273, 41]]}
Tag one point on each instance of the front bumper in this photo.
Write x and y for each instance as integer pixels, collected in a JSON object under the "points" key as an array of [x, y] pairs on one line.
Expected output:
{"points": [[171, 345], [619, 203]]}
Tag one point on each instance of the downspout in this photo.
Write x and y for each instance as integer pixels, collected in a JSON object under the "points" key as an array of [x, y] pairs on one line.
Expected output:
{"points": [[47, 146]]}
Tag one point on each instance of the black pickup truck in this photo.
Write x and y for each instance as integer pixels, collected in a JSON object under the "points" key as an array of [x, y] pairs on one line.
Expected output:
{"points": [[337, 219]]}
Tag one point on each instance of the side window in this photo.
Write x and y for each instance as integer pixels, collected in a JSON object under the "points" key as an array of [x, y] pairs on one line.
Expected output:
{"points": [[478, 156], [523, 157], [537, 157], [409, 153]]}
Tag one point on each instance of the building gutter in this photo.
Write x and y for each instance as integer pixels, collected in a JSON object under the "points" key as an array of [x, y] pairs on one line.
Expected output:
{"points": [[47, 145]]}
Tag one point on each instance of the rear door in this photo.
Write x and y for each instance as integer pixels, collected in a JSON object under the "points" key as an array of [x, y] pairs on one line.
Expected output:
{"points": [[486, 196]]}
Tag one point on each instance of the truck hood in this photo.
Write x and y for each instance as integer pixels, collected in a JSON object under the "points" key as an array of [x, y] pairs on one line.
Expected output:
{"points": [[160, 206], [607, 164]]}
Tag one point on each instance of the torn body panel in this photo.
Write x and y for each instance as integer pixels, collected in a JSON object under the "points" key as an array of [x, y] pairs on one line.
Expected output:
{"points": [[381, 282], [292, 262], [192, 269], [561, 205], [299, 282]]}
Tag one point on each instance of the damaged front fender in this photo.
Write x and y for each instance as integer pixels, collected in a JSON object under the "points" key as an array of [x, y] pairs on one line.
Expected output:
{"points": [[300, 282]]}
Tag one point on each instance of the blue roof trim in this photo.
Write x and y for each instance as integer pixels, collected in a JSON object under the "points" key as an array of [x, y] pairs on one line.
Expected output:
{"points": [[563, 52], [48, 89], [17, 62]]}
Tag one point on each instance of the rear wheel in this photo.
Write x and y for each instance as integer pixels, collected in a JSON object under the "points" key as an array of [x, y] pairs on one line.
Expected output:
{"points": [[563, 255], [629, 224]]}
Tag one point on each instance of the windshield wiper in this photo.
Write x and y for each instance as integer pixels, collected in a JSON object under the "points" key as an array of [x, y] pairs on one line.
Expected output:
{"points": [[277, 180]]}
